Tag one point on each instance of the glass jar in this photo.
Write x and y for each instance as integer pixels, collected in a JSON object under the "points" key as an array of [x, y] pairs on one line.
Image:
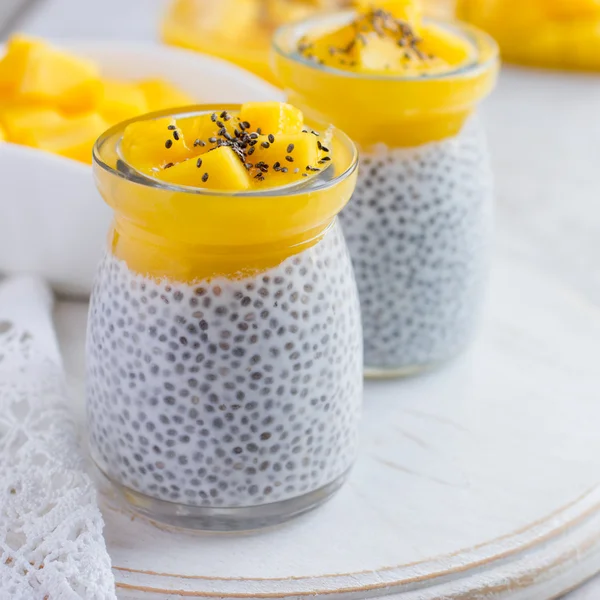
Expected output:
{"points": [[236, 30], [224, 349], [419, 222], [563, 34]]}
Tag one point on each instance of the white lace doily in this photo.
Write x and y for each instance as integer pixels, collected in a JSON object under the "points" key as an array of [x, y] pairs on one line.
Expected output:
{"points": [[51, 544]]}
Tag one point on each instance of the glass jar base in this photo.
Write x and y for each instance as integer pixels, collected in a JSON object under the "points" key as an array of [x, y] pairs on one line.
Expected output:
{"points": [[398, 372], [215, 519]]}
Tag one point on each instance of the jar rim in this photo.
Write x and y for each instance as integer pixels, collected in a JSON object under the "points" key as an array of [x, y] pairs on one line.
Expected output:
{"points": [[478, 38], [106, 157]]}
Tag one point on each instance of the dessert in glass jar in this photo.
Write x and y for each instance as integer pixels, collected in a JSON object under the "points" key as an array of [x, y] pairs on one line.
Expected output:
{"points": [[224, 349], [562, 34], [405, 89]]}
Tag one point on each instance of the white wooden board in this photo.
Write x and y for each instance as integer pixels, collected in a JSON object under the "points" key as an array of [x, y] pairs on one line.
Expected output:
{"points": [[478, 481], [481, 477]]}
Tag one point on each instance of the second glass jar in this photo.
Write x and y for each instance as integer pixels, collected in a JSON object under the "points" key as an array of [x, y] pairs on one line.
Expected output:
{"points": [[419, 223]]}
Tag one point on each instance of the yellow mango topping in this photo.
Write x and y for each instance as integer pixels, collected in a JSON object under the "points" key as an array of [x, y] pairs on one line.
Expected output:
{"points": [[46, 94], [264, 145], [438, 41], [148, 145], [161, 95], [334, 48], [202, 132], [387, 36], [272, 117], [219, 169], [74, 138], [288, 155], [122, 101]]}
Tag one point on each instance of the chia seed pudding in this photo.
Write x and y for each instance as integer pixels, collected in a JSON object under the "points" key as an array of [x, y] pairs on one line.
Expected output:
{"points": [[227, 393], [418, 229], [224, 347]]}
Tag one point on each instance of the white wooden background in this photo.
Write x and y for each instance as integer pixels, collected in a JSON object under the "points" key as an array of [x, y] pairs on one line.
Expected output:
{"points": [[561, 237]]}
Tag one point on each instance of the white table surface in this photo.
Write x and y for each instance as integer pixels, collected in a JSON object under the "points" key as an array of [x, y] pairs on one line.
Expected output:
{"points": [[557, 232]]}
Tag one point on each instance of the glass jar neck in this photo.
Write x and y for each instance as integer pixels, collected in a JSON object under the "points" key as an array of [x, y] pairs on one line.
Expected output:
{"points": [[393, 128], [231, 220], [162, 257]]}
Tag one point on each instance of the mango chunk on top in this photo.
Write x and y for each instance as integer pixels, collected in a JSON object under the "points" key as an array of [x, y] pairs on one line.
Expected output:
{"points": [[219, 169], [288, 156], [202, 131], [440, 42], [224, 151], [374, 53], [333, 48], [153, 144], [272, 117]]}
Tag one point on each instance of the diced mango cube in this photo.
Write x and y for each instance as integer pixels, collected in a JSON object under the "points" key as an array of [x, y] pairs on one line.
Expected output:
{"points": [[122, 101], [50, 76], [287, 154], [2, 135], [204, 128], [161, 95], [272, 117], [13, 64], [439, 42], [219, 169], [74, 138], [20, 122], [378, 53], [330, 47], [153, 143]]}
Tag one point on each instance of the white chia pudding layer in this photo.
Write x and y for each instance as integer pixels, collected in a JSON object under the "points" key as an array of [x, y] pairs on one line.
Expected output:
{"points": [[418, 229], [228, 392]]}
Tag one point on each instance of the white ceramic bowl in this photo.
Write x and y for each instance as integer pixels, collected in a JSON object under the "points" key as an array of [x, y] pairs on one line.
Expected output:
{"points": [[52, 220]]}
